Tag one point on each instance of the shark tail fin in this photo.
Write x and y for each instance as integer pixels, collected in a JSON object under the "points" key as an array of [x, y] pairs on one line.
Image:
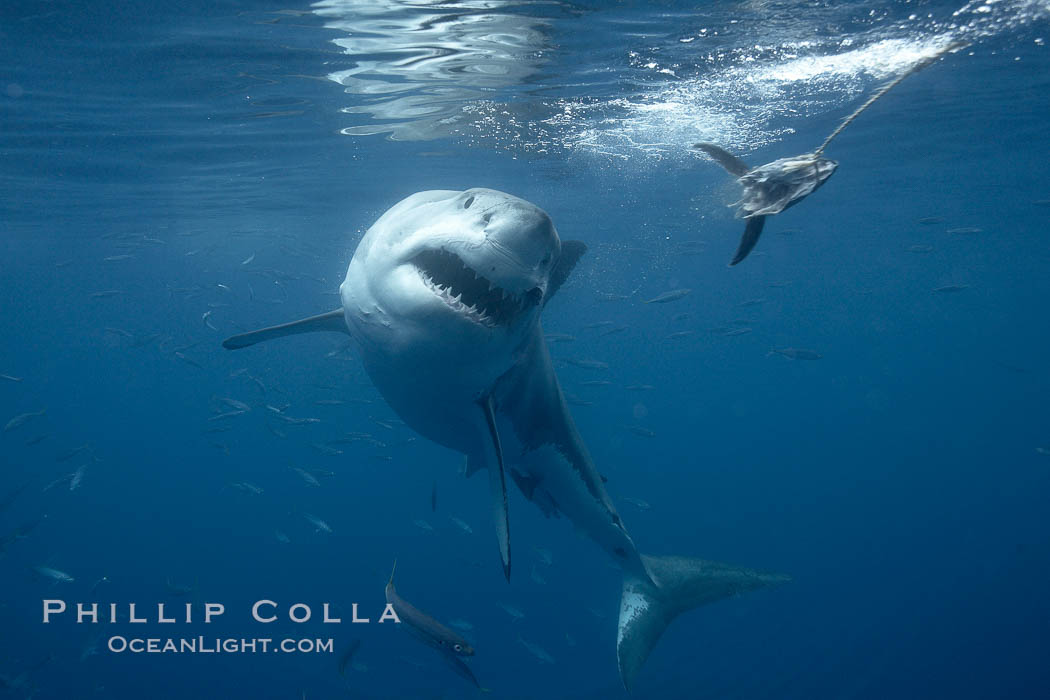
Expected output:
{"points": [[674, 585], [332, 321]]}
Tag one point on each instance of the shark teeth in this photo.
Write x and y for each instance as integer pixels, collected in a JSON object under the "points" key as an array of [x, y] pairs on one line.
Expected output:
{"points": [[445, 294], [468, 292]]}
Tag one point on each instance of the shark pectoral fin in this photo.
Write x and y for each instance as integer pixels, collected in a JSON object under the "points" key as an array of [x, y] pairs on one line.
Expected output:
{"points": [[571, 252], [498, 486], [732, 164], [673, 586], [332, 321], [747, 242]]}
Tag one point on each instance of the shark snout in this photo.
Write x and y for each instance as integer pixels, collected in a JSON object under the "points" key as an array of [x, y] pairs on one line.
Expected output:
{"points": [[525, 237]]}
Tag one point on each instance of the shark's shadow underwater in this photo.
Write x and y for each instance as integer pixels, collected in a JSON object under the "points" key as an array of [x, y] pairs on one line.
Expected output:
{"points": [[443, 298]]}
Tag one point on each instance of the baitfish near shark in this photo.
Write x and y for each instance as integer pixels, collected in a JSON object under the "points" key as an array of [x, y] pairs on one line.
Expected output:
{"points": [[426, 629], [443, 298]]}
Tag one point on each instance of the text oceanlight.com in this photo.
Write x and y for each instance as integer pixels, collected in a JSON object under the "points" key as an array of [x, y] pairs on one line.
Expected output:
{"points": [[216, 645]]}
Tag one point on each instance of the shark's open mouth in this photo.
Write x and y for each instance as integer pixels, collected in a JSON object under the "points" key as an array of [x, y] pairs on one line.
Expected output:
{"points": [[470, 293]]}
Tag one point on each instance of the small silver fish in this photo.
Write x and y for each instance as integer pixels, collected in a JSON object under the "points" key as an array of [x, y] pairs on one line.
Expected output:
{"points": [[21, 419], [537, 651], [247, 487], [228, 414], [514, 613], [188, 360], [666, 297], [796, 353], [307, 476], [297, 421], [235, 404], [53, 574], [461, 525], [588, 364], [77, 477], [637, 503], [321, 525]]}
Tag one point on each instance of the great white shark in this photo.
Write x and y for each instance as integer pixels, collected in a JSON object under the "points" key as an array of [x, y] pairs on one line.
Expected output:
{"points": [[443, 299]]}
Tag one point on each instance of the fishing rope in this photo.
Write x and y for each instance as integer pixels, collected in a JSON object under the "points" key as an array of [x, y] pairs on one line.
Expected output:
{"points": [[919, 65]]}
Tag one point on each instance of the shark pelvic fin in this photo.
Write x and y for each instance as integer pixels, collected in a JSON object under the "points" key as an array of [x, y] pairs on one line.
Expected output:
{"points": [[331, 321], [497, 485], [674, 585]]}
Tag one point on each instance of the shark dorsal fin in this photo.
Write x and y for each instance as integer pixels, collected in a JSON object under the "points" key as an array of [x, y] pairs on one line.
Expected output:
{"points": [[571, 252]]}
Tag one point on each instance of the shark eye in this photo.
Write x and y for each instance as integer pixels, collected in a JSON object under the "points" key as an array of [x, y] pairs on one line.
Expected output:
{"points": [[470, 200], [458, 647], [546, 259]]}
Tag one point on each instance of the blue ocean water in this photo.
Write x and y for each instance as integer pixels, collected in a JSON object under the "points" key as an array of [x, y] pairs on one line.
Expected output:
{"points": [[176, 173]]}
